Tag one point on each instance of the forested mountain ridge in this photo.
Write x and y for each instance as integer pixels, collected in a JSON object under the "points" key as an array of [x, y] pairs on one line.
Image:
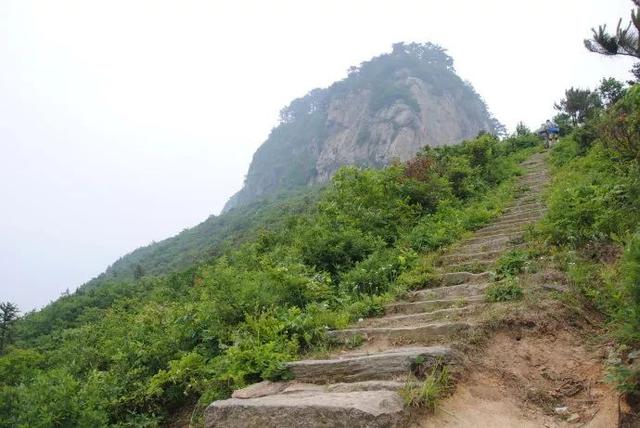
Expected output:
{"points": [[386, 109]]}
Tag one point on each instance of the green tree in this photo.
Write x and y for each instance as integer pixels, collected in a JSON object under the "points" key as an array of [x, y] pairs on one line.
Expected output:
{"points": [[138, 272], [522, 129], [635, 70], [8, 316], [579, 104], [625, 41], [611, 90]]}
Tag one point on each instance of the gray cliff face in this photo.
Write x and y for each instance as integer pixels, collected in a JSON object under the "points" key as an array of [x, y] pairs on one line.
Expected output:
{"points": [[366, 121], [362, 137]]}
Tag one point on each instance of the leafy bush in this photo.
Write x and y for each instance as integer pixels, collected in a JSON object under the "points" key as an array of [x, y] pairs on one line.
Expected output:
{"points": [[627, 317], [511, 264], [428, 392], [504, 291], [592, 198], [620, 129], [374, 275], [520, 142], [564, 152], [335, 249]]}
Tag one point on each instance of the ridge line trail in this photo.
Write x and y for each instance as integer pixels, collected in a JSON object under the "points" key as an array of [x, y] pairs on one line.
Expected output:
{"points": [[514, 362]]}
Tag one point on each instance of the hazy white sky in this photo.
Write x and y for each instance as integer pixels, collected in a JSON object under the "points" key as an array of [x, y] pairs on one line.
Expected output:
{"points": [[123, 122]]}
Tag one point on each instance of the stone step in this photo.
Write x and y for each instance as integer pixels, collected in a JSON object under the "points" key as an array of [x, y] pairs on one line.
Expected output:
{"points": [[527, 184], [525, 214], [506, 224], [455, 278], [420, 317], [475, 266], [532, 206], [481, 256], [535, 172], [527, 198], [501, 243], [484, 245], [430, 305], [359, 409], [531, 218], [390, 364], [536, 179], [487, 238], [532, 167], [534, 188], [501, 229], [264, 388], [469, 257], [524, 199], [534, 161], [446, 292], [422, 333]]}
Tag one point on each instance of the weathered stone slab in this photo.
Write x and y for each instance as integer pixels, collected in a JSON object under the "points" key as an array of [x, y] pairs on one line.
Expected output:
{"points": [[431, 305], [361, 409], [370, 385], [420, 317], [421, 333], [455, 278], [260, 389], [450, 291], [379, 366]]}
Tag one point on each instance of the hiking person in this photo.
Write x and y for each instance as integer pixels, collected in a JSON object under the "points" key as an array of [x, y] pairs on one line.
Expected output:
{"points": [[549, 131], [543, 133], [553, 130]]}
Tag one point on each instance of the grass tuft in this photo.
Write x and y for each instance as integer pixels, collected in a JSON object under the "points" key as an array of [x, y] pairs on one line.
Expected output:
{"points": [[428, 392]]}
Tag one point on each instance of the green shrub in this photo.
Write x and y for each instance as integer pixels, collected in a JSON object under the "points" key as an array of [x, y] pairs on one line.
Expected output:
{"points": [[512, 263], [564, 151], [56, 399], [586, 136], [504, 291], [260, 349], [336, 248], [365, 306], [620, 128], [627, 318], [436, 231], [375, 275], [427, 393], [522, 142], [592, 198]]}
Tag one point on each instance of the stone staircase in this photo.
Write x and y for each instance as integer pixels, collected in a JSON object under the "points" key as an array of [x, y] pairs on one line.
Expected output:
{"points": [[358, 388]]}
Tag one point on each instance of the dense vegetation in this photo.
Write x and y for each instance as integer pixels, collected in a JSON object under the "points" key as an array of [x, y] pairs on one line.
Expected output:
{"points": [[594, 217], [130, 353]]}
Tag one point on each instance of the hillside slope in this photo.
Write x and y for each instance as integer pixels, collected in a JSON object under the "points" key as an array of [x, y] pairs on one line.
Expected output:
{"points": [[434, 332], [388, 108], [136, 353]]}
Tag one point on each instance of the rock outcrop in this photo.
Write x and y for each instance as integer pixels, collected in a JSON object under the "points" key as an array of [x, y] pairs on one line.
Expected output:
{"points": [[387, 109]]}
